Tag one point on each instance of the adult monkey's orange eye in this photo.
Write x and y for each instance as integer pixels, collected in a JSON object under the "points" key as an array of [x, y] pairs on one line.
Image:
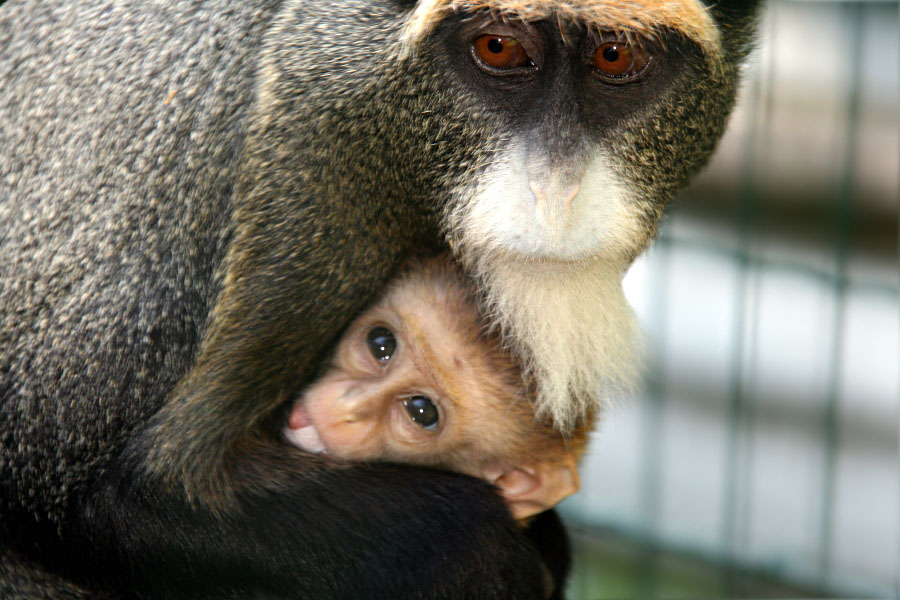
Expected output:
{"points": [[620, 60], [501, 51]]}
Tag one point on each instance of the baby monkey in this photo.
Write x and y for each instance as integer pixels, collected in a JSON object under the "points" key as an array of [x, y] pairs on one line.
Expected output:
{"points": [[415, 379]]}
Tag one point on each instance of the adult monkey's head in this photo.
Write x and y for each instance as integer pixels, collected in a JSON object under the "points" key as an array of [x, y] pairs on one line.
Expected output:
{"points": [[542, 138], [597, 112]]}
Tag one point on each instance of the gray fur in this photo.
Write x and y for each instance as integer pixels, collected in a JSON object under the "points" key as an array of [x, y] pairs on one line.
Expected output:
{"points": [[116, 209]]}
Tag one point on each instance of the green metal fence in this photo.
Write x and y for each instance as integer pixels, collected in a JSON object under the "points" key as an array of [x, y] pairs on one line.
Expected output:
{"points": [[761, 457]]}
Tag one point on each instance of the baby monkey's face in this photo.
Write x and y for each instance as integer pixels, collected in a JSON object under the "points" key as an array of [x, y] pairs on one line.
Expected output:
{"points": [[415, 380], [409, 383]]}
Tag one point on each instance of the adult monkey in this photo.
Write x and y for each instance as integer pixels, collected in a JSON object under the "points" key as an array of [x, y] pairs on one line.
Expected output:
{"points": [[196, 198]]}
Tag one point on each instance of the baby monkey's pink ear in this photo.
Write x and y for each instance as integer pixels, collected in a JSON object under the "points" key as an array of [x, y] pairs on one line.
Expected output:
{"points": [[533, 488]]}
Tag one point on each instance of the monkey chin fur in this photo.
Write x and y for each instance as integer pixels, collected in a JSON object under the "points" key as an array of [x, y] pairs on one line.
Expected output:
{"points": [[569, 323]]}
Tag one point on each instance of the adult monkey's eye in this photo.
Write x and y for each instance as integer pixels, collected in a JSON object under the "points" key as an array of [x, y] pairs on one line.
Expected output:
{"points": [[422, 411], [501, 51], [382, 343], [620, 60]]}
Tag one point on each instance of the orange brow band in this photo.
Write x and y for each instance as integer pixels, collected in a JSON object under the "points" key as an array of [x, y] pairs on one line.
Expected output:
{"points": [[643, 17]]}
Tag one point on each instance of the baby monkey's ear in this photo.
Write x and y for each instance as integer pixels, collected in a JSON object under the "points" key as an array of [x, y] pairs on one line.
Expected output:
{"points": [[530, 489]]}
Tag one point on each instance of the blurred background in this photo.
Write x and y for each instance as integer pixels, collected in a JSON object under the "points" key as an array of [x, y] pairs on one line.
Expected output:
{"points": [[760, 456]]}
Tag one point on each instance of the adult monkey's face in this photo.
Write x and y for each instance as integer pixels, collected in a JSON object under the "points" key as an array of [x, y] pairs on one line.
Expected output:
{"points": [[596, 112]]}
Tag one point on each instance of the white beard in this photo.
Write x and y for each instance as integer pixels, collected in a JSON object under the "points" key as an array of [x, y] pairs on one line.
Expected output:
{"points": [[568, 322], [549, 276]]}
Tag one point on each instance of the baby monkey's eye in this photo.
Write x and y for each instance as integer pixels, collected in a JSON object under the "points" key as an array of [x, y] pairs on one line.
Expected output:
{"points": [[422, 411], [382, 343]]}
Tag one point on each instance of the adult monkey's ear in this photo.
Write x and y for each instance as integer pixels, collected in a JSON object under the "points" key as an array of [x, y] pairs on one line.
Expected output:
{"points": [[530, 489]]}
